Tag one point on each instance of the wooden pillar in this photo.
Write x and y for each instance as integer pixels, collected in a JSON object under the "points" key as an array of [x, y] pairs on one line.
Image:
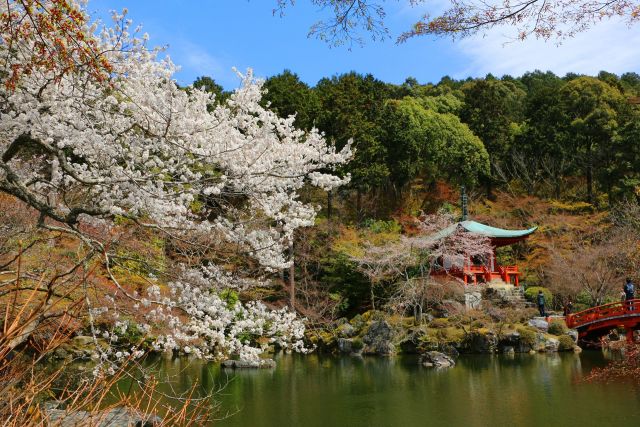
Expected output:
{"points": [[629, 335], [493, 260]]}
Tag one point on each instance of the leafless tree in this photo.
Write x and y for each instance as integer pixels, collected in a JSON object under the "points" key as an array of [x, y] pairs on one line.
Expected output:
{"points": [[410, 262], [597, 268], [548, 20]]}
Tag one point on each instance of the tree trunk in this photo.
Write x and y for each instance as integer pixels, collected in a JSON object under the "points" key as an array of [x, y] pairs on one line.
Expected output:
{"points": [[292, 280], [417, 313], [589, 174], [329, 204], [358, 203], [373, 301]]}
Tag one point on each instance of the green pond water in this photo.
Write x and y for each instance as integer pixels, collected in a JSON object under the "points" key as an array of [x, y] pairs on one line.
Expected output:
{"points": [[525, 390]]}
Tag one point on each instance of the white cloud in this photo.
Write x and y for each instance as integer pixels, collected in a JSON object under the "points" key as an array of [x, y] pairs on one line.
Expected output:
{"points": [[194, 61], [195, 58], [609, 45]]}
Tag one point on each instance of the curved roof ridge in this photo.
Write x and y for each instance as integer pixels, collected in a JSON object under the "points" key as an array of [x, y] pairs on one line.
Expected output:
{"points": [[494, 232]]}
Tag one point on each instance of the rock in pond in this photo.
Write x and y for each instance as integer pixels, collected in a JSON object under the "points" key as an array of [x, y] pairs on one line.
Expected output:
{"points": [[545, 343], [481, 342], [378, 338], [116, 417], [573, 334], [436, 359], [351, 346], [248, 364], [508, 350]]}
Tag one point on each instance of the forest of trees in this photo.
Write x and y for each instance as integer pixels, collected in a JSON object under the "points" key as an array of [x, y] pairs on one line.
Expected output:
{"points": [[571, 140], [573, 137]]}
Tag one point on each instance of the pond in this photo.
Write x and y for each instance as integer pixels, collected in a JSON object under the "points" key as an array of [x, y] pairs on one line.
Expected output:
{"points": [[315, 390]]}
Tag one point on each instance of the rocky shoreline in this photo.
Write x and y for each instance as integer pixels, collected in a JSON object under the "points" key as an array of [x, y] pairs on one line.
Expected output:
{"points": [[376, 334]]}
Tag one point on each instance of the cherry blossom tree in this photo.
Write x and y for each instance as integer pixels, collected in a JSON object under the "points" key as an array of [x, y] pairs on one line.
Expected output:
{"points": [[101, 132]]}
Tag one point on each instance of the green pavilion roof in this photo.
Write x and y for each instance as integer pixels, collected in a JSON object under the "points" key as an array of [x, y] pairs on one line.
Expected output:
{"points": [[486, 230], [494, 232]]}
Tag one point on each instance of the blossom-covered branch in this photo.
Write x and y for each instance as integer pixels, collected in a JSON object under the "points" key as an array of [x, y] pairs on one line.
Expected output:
{"points": [[91, 145]]}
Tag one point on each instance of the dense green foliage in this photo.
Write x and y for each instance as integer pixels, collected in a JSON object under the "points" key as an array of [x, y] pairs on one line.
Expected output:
{"points": [[572, 137]]}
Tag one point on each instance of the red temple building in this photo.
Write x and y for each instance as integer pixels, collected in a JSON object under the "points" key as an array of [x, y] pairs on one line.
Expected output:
{"points": [[485, 269]]}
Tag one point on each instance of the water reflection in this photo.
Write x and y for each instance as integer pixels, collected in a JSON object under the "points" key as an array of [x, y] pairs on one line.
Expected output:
{"points": [[316, 390]]}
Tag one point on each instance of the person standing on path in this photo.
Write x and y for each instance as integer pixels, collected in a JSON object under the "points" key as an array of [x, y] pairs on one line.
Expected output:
{"points": [[629, 292], [541, 302], [567, 308]]}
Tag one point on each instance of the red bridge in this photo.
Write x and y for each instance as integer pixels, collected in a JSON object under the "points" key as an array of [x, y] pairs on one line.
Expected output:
{"points": [[598, 321]]}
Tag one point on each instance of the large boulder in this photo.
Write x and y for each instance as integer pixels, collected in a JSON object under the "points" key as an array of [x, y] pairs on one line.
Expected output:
{"points": [[378, 339], [352, 346], [546, 343], [517, 341], [344, 345], [412, 341], [539, 323], [346, 330], [481, 342], [508, 350], [435, 359], [552, 345], [573, 334]]}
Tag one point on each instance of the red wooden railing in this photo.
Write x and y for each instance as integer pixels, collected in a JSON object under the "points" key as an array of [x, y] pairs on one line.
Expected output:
{"points": [[505, 273], [604, 312]]}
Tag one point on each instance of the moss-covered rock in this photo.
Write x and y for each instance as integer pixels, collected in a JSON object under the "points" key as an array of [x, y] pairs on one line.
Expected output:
{"points": [[527, 338], [566, 343], [378, 339], [346, 330], [481, 340]]}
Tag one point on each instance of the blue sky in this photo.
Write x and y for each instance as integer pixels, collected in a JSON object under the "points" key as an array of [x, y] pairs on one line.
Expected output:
{"points": [[209, 37]]}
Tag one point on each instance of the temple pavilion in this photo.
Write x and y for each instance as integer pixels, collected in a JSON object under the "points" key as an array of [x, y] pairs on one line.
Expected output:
{"points": [[485, 269]]}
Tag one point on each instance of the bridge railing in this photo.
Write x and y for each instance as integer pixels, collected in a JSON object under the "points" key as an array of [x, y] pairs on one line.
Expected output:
{"points": [[602, 312]]}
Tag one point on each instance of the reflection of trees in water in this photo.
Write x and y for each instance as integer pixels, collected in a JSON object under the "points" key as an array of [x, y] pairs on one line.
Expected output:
{"points": [[319, 390]]}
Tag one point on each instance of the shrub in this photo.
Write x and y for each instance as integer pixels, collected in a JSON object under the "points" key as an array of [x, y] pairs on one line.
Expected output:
{"points": [[557, 328], [566, 343], [357, 345], [230, 297], [531, 294], [527, 336]]}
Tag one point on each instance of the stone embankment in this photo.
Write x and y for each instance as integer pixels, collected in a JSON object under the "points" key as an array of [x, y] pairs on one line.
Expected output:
{"points": [[373, 333]]}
